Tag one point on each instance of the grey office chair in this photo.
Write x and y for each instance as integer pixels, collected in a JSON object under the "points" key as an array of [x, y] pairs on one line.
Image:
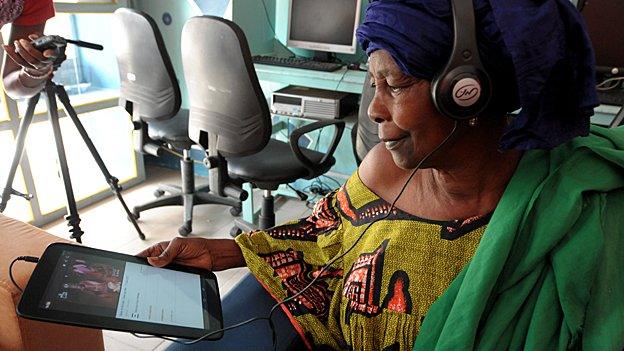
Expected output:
{"points": [[151, 94], [230, 118], [364, 134]]}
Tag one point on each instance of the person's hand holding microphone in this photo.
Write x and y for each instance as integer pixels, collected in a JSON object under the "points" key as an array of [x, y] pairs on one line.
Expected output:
{"points": [[35, 66]]}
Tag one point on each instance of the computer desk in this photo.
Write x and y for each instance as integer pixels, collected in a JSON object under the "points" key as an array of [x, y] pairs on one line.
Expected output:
{"points": [[611, 112], [349, 81], [275, 77]]}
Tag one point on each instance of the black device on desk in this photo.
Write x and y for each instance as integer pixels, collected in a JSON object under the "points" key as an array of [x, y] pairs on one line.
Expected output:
{"points": [[77, 285], [314, 103]]}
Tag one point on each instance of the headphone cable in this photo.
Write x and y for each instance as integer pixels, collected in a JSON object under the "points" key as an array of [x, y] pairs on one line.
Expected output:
{"points": [[319, 274]]}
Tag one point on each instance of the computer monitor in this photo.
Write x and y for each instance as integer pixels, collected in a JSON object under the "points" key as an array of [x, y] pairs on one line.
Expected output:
{"points": [[327, 26], [605, 24]]}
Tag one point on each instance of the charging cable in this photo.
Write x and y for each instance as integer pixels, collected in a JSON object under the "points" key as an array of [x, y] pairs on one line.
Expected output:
{"points": [[327, 266], [30, 259]]}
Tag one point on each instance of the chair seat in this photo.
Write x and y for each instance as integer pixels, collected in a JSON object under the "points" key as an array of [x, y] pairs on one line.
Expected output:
{"points": [[173, 130], [275, 164]]}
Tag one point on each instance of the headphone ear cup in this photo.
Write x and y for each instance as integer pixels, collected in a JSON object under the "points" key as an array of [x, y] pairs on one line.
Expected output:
{"points": [[462, 93]]}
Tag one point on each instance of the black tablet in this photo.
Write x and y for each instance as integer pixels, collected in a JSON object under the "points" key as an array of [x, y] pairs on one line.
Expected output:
{"points": [[81, 286]]}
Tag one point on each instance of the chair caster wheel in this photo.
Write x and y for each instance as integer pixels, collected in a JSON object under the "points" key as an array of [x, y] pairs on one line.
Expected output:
{"points": [[185, 230], [235, 231], [158, 193], [235, 211]]}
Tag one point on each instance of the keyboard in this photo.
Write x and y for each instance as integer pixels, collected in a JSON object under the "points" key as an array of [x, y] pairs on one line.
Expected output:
{"points": [[296, 62]]}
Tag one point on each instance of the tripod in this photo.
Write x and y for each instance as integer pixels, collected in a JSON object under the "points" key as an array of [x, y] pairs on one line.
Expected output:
{"points": [[51, 91]]}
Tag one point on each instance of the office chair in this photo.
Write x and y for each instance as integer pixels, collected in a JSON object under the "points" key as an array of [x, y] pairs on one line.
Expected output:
{"points": [[230, 118], [364, 134], [151, 94]]}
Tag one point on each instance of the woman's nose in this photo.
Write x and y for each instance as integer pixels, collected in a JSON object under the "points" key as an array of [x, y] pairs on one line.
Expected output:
{"points": [[377, 111]]}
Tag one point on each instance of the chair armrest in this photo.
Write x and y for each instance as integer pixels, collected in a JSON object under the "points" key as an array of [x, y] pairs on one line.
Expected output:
{"points": [[299, 132]]}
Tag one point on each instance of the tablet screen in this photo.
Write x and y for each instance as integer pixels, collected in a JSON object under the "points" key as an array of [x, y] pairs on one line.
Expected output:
{"points": [[102, 286]]}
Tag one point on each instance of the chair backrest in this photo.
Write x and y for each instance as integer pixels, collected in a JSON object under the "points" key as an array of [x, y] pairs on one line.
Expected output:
{"points": [[149, 86], [227, 106], [364, 135]]}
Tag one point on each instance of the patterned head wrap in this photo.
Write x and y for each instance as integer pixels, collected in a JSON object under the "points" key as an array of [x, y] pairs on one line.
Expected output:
{"points": [[537, 52]]}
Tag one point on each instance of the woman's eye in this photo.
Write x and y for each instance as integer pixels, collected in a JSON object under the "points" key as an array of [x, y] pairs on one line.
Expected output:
{"points": [[395, 90]]}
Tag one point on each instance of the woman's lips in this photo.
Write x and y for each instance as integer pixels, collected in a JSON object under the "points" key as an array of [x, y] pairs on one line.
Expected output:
{"points": [[394, 144]]}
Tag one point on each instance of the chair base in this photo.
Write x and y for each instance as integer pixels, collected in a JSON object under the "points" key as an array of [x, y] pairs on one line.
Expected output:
{"points": [[265, 220], [188, 196], [199, 197]]}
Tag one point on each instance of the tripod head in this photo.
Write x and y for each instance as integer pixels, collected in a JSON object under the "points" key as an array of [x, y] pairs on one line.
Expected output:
{"points": [[59, 44]]}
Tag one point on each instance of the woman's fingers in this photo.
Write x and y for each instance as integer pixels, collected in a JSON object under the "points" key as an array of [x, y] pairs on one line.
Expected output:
{"points": [[168, 254], [154, 250], [49, 53], [31, 55], [10, 51]]}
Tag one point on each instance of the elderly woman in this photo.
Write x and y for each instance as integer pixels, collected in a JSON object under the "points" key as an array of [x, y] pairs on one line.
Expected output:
{"points": [[489, 243]]}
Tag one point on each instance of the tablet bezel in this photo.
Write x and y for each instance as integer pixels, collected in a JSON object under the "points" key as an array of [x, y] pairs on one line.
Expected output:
{"points": [[29, 305]]}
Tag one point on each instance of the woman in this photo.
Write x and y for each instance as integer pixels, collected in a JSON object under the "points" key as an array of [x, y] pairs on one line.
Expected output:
{"points": [[518, 249], [25, 69]]}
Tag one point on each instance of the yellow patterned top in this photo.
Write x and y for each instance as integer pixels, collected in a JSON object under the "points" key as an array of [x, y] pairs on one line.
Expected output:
{"points": [[376, 296]]}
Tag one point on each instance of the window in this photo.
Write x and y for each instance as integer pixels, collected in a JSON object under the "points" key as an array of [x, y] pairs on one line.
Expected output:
{"points": [[17, 207], [87, 75], [91, 80], [4, 114], [115, 148]]}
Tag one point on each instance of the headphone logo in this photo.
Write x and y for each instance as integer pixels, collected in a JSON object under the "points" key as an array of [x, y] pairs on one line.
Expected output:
{"points": [[466, 92]]}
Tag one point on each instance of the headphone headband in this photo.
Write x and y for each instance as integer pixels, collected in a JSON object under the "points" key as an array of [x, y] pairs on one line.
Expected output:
{"points": [[463, 89]]}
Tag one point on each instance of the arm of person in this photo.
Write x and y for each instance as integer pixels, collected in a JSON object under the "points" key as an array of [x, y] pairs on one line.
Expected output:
{"points": [[208, 254], [24, 70], [221, 254]]}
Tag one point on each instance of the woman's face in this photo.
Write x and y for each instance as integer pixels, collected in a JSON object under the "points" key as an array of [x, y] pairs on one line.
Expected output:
{"points": [[409, 124]]}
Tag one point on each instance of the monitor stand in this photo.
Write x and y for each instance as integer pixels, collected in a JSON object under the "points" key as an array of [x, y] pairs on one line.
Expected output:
{"points": [[324, 56]]}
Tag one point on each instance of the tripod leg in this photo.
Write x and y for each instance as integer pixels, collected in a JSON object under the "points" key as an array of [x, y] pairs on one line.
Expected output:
{"points": [[7, 191], [113, 182], [73, 220]]}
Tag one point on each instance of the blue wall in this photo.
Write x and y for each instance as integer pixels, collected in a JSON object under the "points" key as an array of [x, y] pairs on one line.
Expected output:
{"points": [[212, 7], [96, 65]]}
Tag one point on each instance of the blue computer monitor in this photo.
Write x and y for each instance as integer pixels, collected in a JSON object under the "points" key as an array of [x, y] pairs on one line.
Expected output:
{"points": [[323, 25]]}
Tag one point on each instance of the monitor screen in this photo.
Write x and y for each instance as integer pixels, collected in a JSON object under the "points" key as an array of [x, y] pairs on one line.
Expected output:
{"points": [[325, 25], [604, 24]]}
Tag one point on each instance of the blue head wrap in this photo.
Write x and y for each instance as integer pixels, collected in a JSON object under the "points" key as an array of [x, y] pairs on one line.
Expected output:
{"points": [[537, 52]]}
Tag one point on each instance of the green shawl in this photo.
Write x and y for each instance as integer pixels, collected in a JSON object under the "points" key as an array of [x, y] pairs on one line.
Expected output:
{"points": [[549, 271]]}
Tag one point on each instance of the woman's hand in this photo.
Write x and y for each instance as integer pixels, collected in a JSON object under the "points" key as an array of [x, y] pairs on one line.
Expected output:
{"points": [[208, 254], [31, 60], [25, 69]]}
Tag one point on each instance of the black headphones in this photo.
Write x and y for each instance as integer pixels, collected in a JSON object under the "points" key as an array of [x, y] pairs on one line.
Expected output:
{"points": [[463, 89]]}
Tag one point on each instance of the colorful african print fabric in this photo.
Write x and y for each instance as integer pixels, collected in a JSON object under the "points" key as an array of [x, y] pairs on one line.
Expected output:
{"points": [[376, 296]]}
